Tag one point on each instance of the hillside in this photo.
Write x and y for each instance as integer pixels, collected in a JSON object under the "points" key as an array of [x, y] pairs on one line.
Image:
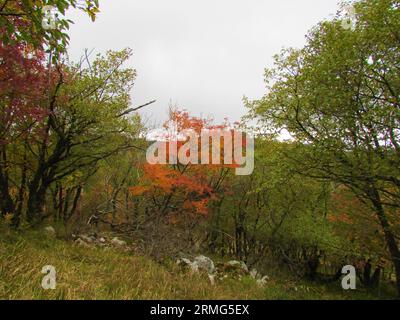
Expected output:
{"points": [[93, 273]]}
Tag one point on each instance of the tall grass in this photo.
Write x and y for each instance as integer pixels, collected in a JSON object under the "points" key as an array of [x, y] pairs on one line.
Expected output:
{"points": [[95, 273]]}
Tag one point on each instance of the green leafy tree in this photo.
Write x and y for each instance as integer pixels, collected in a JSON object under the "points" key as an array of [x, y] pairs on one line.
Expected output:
{"points": [[23, 21], [339, 98], [86, 121], [276, 213]]}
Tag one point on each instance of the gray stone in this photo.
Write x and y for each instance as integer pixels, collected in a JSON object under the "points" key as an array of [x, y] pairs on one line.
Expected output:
{"points": [[200, 263], [212, 279], [86, 238], [183, 262], [240, 264], [204, 263], [50, 231], [254, 274], [82, 243], [263, 281], [117, 242]]}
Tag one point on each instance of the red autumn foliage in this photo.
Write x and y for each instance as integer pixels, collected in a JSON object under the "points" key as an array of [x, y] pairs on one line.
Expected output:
{"points": [[189, 185], [23, 83], [181, 121], [191, 189]]}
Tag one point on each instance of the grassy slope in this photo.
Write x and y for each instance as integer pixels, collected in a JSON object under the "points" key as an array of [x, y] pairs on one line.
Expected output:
{"points": [[84, 273]]}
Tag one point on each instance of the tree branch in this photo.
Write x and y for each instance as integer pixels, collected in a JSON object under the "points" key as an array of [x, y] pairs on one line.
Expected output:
{"points": [[136, 109]]}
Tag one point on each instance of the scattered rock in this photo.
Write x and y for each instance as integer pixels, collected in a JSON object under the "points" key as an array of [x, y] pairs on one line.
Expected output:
{"points": [[254, 274], [200, 263], [50, 231], [86, 238], [82, 243], [117, 242], [212, 279], [205, 264], [232, 269], [239, 264], [263, 281], [235, 269], [194, 267], [95, 240], [185, 264]]}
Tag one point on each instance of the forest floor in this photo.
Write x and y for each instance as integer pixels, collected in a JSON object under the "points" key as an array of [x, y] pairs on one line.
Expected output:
{"points": [[98, 273]]}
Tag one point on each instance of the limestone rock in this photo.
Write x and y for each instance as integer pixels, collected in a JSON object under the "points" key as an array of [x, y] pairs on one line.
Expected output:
{"points": [[50, 231], [205, 264], [239, 264], [263, 281], [118, 243]]}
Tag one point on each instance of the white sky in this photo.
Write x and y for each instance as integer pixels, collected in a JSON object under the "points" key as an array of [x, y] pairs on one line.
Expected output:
{"points": [[203, 55]]}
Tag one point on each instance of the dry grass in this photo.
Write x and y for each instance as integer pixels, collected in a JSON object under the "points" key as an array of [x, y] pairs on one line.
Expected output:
{"points": [[92, 273]]}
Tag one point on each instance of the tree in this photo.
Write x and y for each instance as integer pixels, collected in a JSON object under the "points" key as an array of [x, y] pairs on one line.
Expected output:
{"points": [[178, 198], [21, 21], [339, 99], [22, 84], [86, 121], [24, 80], [276, 213], [185, 186]]}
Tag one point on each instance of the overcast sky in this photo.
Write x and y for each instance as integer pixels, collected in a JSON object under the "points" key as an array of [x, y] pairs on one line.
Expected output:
{"points": [[203, 55]]}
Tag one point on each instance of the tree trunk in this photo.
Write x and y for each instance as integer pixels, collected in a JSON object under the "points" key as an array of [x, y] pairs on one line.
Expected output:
{"points": [[389, 236], [35, 205], [21, 194], [6, 202]]}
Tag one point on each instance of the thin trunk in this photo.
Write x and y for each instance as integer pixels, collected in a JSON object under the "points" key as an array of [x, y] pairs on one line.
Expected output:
{"points": [[21, 194], [36, 201], [6, 203], [389, 236], [69, 213]]}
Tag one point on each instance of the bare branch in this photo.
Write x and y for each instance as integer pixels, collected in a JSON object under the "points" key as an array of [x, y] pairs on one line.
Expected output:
{"points": [[136, 109]]}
